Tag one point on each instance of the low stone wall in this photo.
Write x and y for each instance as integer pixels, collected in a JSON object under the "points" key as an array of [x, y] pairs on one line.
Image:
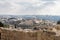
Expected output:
{"points": [[21, 35]]}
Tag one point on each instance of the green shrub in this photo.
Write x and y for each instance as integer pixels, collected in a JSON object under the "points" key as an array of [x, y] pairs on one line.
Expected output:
{"points": [[58, 22], [1, 24]]}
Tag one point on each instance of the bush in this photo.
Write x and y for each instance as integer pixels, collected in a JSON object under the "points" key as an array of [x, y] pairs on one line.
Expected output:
{"points": [[4, 25]]}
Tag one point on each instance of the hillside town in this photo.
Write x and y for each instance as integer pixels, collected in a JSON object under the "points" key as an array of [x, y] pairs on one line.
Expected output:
{"points": [[28, 24], [31, 25]]}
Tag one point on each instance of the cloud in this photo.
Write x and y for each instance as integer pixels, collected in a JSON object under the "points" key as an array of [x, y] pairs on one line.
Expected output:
{"points": [[30, 7], [48, 0]]}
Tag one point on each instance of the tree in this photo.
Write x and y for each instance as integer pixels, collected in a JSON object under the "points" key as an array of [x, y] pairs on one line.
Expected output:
{"points": [[58, 22], [35, 28], [1, 24]]}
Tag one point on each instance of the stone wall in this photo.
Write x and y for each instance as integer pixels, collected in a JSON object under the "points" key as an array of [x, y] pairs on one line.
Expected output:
{"points": [[21, 35]]}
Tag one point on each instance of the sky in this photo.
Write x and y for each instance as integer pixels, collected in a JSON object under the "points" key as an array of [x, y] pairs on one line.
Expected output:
{"points": [[29, 7]]}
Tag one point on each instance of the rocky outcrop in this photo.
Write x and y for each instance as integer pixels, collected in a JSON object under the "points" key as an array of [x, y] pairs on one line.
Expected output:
{"points": [[6, 34]]}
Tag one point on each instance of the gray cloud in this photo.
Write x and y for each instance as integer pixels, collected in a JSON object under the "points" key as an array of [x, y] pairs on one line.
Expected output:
{"points": [[48, 0], [30, 7], [4, 7], [25, 6]]}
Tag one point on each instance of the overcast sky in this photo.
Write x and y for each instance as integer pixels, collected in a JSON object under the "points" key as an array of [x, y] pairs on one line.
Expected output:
{"points": [[29, 7]]}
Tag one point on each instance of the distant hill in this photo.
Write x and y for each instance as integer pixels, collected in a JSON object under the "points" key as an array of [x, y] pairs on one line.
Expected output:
{"points": [[45, 17]]}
